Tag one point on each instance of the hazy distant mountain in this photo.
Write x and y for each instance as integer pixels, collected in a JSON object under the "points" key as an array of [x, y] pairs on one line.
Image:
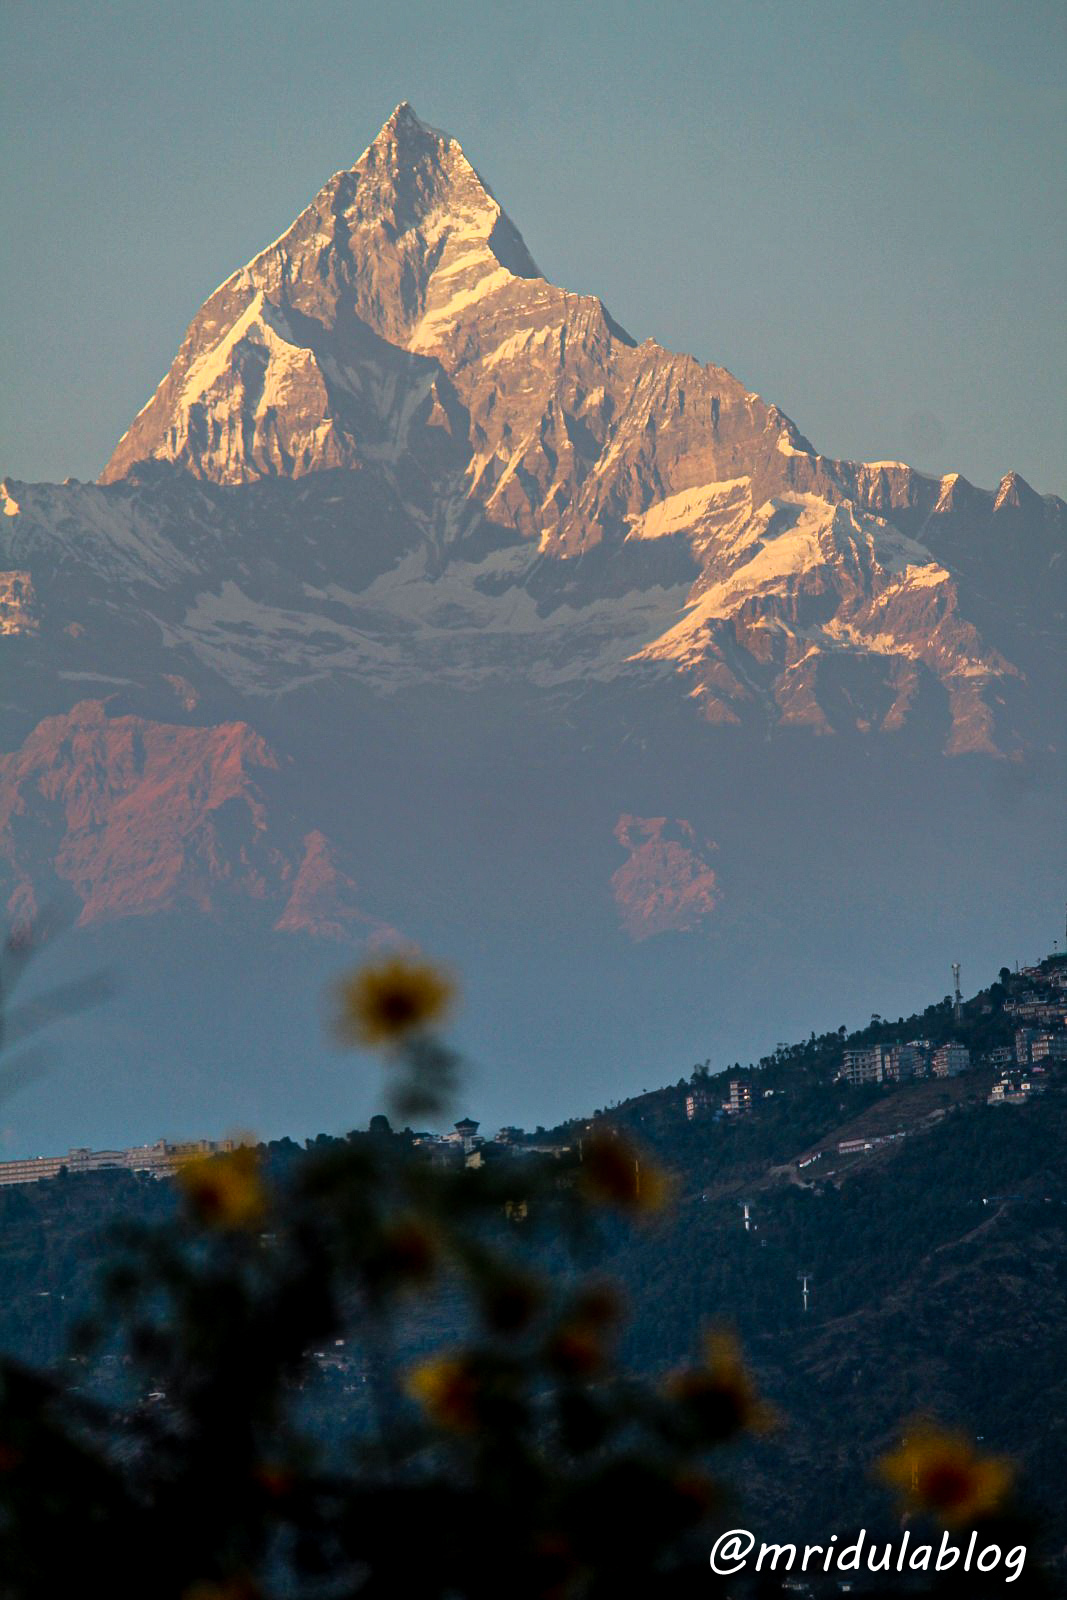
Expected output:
{"points": [[419, 593]]}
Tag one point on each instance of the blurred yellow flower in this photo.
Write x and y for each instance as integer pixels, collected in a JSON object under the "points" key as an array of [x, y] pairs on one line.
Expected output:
{"points": [[721, 1392], [940, 1471], [385, 1002], [599, 1303], [576, 1349], [240, 1588], [225, 1191], [408, 1251], [614, 1173], [447, 1389]]}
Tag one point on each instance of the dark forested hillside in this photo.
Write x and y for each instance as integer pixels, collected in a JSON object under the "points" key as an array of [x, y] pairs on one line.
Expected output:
{"points": [[938, 1284], [936, 1262]]}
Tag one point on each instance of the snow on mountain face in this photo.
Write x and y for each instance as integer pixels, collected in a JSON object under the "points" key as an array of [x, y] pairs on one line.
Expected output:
{"points": [[418, 461], [764, 625], [421, 597], [292, 364]]}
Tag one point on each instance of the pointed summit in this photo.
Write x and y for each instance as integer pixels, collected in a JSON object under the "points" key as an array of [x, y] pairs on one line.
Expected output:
{"points": [[1014, 493], [404, 122], [395, 248], [403, 115], [405, 132], [417, 178]]}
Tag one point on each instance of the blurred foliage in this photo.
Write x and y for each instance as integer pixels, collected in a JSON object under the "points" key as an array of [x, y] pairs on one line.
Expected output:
{"points": [[260, 1406], [19, 1022], [939, 1470], [190, 1473]]}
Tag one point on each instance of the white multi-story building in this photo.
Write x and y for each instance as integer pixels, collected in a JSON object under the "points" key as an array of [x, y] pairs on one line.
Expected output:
{"points": [[159, 1159], [863, 1066], [697, 1101]]}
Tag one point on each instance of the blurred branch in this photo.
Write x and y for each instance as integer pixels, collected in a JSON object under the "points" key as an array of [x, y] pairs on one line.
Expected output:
{"points": [[23, 942], [65, 1000]]}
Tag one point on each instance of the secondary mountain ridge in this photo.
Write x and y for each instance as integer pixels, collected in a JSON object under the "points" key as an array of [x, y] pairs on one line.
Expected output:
{"points": [[447, 543], [502, 428]]}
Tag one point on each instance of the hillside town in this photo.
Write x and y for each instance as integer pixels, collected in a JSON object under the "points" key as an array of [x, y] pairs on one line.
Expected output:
{"points": [[1027, 1008]]}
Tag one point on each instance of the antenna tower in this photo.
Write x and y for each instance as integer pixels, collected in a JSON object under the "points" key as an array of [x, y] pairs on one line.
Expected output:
{"points": [[957, 1001]]}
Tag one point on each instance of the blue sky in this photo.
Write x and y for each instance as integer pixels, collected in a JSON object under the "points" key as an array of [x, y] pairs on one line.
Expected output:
{"points": [[859, 208]]}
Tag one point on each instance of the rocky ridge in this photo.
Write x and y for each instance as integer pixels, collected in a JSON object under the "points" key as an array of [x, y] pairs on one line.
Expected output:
{"points": [[546, 495], [391, 457], [139, 817]]}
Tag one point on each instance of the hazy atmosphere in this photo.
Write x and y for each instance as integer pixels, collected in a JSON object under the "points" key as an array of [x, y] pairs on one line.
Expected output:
{"points": [[533, 655]]}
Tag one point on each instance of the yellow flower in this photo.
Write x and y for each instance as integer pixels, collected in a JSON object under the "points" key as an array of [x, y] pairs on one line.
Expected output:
{"points": [[275, 1480], [448, 1390], [721, 1395], [383, 1003], [408, 1251], [613, 1173], [940, 1471], [225, 1191], [239, 1588], [576, 1349]]}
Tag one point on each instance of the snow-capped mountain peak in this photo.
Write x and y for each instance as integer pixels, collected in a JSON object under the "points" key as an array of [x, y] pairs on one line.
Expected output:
{"points": [[504, 481], [419, 590], [398, 248]]}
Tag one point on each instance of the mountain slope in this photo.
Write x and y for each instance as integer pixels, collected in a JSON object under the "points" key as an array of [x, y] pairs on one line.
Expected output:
{"points": [[400, 329], [140, 817], [502, 590]]}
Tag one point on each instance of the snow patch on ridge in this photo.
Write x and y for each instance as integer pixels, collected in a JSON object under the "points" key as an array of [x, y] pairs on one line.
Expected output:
{"points": [[677, 512], [261, 320], [428, 332], [415, 622], [777, 556]]}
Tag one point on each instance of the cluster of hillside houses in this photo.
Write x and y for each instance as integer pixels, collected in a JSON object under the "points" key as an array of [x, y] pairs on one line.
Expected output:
{"points": [[462, 1144], [1039, 1013], [738, 1100], [159, 1160]]}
